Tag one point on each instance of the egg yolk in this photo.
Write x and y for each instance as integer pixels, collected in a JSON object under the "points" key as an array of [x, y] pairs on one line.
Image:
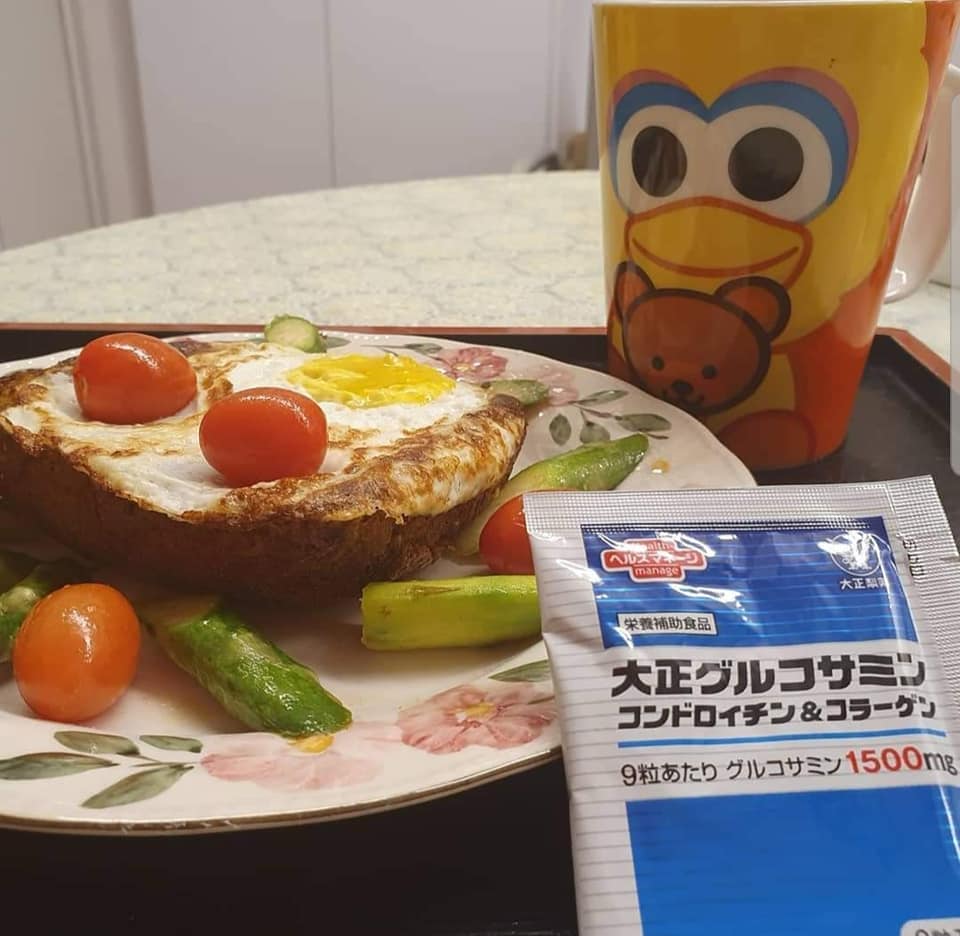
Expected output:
{"points": [[360, 381]]}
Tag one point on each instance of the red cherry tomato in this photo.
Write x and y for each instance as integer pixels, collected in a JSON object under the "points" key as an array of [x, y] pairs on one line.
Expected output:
{"points": [[264, 434], [76, 652], [504, 545], [129, 378]]}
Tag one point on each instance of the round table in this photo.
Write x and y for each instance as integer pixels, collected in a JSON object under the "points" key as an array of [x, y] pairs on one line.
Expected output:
{"points": [[505, 251]]}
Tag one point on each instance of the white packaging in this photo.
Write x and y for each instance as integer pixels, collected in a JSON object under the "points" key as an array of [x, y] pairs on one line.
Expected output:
{"points": [[759, 700]]}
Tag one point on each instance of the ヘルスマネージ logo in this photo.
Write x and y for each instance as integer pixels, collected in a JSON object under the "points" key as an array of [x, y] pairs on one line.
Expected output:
{"points": [[652, 560]]}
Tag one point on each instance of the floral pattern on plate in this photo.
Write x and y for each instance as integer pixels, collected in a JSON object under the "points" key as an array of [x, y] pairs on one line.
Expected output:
{"points": [[503, 712], [590, 412], [496, 717]]}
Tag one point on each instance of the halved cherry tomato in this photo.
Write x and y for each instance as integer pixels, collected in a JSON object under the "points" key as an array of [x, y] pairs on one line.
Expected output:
{"points": [[129, 378], [264, 434], [504, 545], [76, 652]]}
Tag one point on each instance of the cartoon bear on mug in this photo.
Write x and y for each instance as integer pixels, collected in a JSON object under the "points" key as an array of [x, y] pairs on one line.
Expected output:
{"points": [[666, 331]]}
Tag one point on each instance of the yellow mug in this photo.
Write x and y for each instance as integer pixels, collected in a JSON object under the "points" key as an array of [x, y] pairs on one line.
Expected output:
{"points": [[757, 162]]}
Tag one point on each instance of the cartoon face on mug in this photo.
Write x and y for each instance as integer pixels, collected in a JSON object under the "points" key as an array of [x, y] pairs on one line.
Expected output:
{"points": [[718, 200]]}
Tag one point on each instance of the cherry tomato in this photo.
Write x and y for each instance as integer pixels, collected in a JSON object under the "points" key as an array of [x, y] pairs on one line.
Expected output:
{"points": [[264, 434], [504, 545], [76, 652], [129, 378]]}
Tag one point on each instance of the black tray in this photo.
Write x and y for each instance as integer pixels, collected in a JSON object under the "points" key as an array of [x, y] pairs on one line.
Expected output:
{"points": [[495, 860]]}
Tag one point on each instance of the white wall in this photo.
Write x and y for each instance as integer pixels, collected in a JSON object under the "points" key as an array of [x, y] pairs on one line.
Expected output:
{"points": [[72, 154], [112, 109], [243, 98], [42, 185], [573, 67], [434, 88], [236, 98]]}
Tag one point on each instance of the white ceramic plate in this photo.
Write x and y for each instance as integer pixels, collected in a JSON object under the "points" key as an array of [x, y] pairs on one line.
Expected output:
{"points": [[166, 759]]}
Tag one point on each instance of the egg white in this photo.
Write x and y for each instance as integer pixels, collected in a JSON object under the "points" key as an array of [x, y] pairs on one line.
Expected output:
{"points": [[161, 464]]}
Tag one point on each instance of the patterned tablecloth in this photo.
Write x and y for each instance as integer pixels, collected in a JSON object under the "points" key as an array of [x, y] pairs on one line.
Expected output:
{"points": [[496, 251]]}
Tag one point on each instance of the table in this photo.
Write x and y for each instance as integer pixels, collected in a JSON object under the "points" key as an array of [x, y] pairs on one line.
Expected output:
{"points": [[498, 251]]}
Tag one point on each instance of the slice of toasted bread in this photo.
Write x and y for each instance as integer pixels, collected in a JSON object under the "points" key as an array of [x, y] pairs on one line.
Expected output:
{"points": [[141, 498]]}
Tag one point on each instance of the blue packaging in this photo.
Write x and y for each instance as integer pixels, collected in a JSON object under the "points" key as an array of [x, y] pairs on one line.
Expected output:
{"points": [[759, 692]]}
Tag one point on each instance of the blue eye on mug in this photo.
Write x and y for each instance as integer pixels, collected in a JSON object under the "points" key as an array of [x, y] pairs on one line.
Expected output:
{"points": [[780, 145]]}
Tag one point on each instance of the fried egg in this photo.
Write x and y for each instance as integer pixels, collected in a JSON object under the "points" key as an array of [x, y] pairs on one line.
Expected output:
{"points": [[404, 438]]}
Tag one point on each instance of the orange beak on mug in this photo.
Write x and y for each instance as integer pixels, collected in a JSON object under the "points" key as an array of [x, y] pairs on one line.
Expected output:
{"points": [[701, 243]]}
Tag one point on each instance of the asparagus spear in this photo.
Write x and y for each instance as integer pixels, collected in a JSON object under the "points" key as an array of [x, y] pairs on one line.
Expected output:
{"points": [[17, 602], [254, 680], [464, 612], [596, 466], [528, 392]]}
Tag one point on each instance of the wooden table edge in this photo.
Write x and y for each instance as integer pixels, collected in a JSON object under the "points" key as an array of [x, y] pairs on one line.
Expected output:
{"points": [[912, 345], [920, 351], [200, 327]]}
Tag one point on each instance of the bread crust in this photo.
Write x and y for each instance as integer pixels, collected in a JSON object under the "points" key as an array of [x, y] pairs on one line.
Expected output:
{"points": [[291, 546]]}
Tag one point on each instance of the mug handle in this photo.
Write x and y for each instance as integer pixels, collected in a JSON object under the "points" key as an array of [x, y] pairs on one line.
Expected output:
{"points": [[927, 225]]}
